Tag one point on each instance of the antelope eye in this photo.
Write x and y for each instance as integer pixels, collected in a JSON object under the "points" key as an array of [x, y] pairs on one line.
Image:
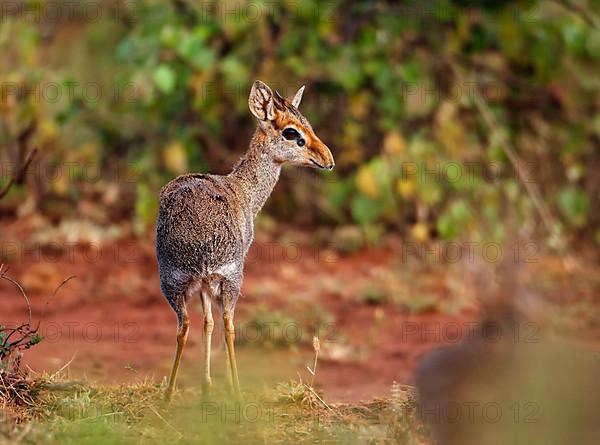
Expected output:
{"points": [[290, 134]]}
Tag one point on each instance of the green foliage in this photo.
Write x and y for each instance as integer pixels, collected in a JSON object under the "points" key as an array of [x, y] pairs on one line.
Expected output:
{"points": [[20, 341], [388, 87], [164, 78], [453, 220], [574, 205], [37, 338]]}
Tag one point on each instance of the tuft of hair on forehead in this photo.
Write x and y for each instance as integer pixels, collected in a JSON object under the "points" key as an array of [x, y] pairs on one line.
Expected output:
{"points": [[283, 104], [287, 114]]}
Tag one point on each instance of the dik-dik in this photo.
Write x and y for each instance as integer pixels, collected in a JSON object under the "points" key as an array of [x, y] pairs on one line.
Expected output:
{"points": [[205, 222]]}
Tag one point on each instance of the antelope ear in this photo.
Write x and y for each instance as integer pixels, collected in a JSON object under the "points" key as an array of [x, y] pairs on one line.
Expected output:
{"points": [[298, 97], [261, 101]]}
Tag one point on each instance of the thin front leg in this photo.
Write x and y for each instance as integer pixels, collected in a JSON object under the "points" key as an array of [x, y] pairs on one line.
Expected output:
{"points": [[182, 333], [228, 375], [230, 339], [209, 325]]}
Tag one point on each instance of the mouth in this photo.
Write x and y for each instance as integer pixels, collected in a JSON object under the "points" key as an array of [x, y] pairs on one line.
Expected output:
{"points": [[321, 166]]}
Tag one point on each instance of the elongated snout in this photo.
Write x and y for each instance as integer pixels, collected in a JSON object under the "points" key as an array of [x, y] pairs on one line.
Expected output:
{"points": [[321, 155]]}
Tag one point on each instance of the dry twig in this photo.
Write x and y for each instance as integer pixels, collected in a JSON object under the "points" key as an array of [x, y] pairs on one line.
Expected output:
{"points": [[18, 177]]}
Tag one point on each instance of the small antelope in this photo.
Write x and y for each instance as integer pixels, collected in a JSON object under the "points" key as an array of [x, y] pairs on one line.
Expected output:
{"points": [[205, 222]]}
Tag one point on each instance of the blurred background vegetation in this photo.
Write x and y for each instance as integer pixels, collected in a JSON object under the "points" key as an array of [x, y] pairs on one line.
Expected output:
{"points": [[448, 119], [409, 95]]}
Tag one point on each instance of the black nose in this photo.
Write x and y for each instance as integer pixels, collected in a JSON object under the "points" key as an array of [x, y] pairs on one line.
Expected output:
{"points": [[331, 166]]}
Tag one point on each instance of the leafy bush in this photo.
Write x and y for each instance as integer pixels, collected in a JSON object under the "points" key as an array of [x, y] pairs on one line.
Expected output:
{"points": [[391, 87]]}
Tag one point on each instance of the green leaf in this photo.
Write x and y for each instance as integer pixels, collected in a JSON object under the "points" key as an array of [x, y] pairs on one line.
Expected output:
{"points": [[193, 48], [574, 37], [430, 192], [164, 78], [234, 70], [365, 210], [451, 223], [35, 340], [574, 205], [446, 227], [592, 44]]}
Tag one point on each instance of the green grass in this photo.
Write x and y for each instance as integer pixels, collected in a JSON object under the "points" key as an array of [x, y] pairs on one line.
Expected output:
{"points": [[135, 414]]}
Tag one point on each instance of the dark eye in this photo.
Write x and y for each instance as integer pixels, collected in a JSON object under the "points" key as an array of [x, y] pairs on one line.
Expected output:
{"points": [[300, 142], [290, 134]]}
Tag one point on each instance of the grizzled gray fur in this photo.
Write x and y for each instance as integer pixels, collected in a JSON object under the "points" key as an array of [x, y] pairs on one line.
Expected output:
{"points": [[205, 222]]}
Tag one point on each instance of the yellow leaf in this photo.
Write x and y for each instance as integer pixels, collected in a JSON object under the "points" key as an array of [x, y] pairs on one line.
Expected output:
{"points": [[88, 151], [61, 184], [353, 152], [175, 157], [406, 187], [359, 105], [47, 131], [420, 232], [393, 143], [366, 182]]}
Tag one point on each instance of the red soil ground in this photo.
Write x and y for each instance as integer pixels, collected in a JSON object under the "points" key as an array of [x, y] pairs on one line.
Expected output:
{"points": [[111, 324]]}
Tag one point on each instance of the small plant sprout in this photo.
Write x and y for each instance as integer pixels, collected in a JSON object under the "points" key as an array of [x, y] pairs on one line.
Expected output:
{"points": [[313, 371]]}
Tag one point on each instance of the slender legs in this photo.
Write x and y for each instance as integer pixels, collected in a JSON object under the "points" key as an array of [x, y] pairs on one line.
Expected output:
{"points": [[209, 325], [229, 340], [229, 289], [182, 333]]}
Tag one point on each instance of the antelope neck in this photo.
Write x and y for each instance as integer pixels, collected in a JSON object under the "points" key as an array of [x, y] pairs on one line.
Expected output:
{"points": [[257, 172]]}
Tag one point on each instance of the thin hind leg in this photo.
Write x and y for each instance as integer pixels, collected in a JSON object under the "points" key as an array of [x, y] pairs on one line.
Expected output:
{"points": [[208, 331], [183, 324], [229, 340], [230, 290]]}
